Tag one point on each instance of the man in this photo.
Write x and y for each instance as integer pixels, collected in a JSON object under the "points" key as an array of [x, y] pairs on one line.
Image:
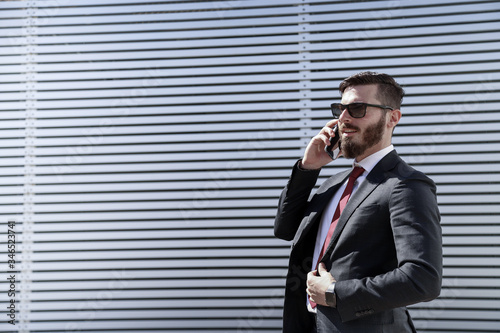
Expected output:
{"points": [[357, 271]]}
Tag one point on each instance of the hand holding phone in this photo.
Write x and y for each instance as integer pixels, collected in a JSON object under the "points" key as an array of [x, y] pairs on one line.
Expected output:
{"points": [[333, 150]]}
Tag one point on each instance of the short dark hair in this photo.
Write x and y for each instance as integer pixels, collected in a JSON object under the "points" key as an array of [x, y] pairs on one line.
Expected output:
{"points": [[389, 91]]}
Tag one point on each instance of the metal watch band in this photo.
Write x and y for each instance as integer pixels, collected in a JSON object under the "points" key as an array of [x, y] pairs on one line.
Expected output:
{"points": [[331, 298]]}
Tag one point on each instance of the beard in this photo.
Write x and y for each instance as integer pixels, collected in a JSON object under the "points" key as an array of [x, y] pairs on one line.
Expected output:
{"points": [[371, 136]]}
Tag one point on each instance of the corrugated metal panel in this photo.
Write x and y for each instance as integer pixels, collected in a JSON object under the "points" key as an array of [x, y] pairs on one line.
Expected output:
{"points": [[144, 146]]}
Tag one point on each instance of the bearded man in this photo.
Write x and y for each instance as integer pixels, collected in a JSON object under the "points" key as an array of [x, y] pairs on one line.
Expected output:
{"points": [[368, 242]]}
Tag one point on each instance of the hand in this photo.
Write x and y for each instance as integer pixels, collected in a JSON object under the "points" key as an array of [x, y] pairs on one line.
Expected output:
{"points": [[315, 156], [317, 283]]}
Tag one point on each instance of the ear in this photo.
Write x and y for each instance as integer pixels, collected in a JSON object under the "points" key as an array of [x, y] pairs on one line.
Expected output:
{"points": [[393, 117]]}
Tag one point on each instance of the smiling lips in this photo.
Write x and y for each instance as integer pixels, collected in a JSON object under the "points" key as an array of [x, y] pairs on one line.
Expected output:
{"points": [[348, 130]]}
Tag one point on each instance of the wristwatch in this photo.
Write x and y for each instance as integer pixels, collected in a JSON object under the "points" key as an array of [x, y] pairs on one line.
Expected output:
{"points": [[331, 298]]}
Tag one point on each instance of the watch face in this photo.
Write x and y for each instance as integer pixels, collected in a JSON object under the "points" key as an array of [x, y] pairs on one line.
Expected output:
{"points": [[331, 298]]}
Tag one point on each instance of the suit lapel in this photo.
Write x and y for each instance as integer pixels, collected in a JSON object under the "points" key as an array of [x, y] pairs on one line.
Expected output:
{"points": [[319, 202], [377, 176]]}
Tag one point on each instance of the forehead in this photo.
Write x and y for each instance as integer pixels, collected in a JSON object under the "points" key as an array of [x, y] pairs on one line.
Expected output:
{"points": [[362, 93]]}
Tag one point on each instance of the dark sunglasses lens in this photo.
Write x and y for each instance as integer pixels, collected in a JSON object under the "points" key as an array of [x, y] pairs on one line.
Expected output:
{"points": [[357, 110], [336, 110]]}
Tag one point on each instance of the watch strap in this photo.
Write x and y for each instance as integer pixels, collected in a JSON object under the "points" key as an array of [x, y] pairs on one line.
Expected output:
{"points": [[331, 298]]}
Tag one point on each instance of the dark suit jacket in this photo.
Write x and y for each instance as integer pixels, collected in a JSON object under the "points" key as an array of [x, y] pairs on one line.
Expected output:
{"points": [[385, 253]]}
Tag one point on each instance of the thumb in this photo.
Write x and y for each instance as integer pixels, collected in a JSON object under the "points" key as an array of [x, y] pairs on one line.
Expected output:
{"points": [[321, 268]]}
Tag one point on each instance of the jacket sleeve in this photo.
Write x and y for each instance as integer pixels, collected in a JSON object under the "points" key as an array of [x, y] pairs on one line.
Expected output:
{"points": [[293, 202], [415, 225]]}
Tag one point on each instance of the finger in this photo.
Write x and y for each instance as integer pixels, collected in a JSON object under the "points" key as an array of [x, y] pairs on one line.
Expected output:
{"points": [[327, 132], [321, 139], [321, 269], [332, 123], [325, 139]]}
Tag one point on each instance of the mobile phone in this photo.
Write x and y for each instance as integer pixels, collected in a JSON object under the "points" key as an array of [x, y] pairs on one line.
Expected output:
{"points": [[331, 150]]}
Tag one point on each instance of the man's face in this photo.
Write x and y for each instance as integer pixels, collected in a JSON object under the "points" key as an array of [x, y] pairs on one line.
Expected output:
{"points": [[361, 137]]}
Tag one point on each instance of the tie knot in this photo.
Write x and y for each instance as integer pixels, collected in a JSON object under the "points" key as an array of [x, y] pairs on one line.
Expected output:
{"points": [[356, 172]]}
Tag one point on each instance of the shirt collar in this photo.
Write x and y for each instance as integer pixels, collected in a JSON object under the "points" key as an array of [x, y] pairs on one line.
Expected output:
{"points": [[368, 163]]}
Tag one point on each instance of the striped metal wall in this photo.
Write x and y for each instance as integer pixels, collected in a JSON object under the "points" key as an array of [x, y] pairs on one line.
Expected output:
{"points": [[143, 146]]}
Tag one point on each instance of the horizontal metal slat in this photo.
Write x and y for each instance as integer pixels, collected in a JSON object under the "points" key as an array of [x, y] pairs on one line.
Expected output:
{"points": [[473, 262], [200, 42], [460, 325], [155, 79], [182, 10], [488, 198], [470, 208], [278, 109], [468, 219], [465, 240], [166, 304], [243, 140], [155, 254], [156, 22], [432, 141], [137, 185], [62, 207], [458, 168], [12, 10], [425, 70], [152, 325], [145, 91], [471, 251], [396, 19], [154, 243], [92, 34], [328, 80], [401, 62], [451, 314], [213, 192], [186, 212], [171, 294], [455, 302], [227, 264], [117, 234], [180, 224], [152, 314], [211, 170], [472, 230], [148, 64], [125, 48], [425, 7], [486, 84]]}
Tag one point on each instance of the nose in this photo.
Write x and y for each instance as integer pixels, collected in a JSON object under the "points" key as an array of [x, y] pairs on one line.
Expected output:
{"points": [[345, 117]]}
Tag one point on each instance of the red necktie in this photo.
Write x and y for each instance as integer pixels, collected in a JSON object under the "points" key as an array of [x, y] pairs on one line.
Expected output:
{"points": [[356, 172]]}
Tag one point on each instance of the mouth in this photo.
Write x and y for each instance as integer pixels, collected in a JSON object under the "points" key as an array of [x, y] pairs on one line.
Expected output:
{"points": [[348, 131]]}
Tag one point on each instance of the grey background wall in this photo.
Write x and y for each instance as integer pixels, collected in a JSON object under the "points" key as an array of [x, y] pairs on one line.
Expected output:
{"points": [[144, 144]]}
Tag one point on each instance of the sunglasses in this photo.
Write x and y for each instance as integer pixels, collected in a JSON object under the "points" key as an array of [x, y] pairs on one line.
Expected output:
{"points": [[356, 110]]}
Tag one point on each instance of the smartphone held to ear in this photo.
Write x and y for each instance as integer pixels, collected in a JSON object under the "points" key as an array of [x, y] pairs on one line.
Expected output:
{"points": [[333, 150]]}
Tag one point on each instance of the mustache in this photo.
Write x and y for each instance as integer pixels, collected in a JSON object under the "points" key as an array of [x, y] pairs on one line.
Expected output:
{"points": [[343, 127]]}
